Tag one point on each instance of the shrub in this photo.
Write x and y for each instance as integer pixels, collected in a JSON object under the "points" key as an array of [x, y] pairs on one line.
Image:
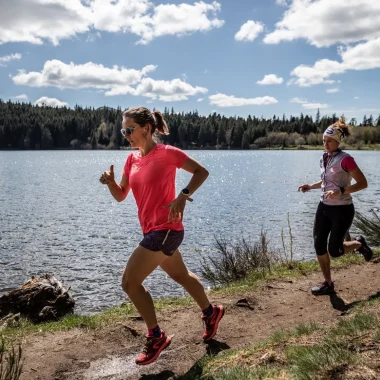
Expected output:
{"points": [[369, 227], [238, 260]]}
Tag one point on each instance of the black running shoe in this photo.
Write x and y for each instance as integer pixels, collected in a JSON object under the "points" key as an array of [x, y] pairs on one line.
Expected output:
{"points": [[323, 289], [364, 249]]}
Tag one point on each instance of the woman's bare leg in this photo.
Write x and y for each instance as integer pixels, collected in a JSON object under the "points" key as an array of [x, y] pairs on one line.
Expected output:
{"points": [[140, 265], [177, 270]]}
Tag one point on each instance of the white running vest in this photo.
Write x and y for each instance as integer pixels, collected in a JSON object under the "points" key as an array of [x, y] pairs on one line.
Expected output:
{"points": [[334, 177]]}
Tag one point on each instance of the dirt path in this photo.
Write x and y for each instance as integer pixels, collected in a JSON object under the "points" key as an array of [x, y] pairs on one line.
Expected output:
{"points": [[109, 354]]}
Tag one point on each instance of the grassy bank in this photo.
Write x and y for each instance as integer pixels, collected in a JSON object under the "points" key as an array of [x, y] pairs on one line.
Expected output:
{"points": [[118, 314], [348, 349]]}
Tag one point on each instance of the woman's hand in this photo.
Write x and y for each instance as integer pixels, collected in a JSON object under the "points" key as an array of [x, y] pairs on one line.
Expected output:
{"points": [[304, 188], [176, 209], [332, 194], [107, 177]]}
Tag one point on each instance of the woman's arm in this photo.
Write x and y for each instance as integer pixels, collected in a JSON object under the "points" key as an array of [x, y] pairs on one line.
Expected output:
{"points": [[200, 173], [361, 182], [306, 187], [118, 191]]}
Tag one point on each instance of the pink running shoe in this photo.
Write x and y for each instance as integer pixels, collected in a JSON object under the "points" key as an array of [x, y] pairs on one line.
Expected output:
{"points": [[153, 348], [212, 322]]}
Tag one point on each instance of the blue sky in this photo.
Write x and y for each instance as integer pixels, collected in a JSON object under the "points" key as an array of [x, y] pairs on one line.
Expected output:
{"points": [[240, 57]]}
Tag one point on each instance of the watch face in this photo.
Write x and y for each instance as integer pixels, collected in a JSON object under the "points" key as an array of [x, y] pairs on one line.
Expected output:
{"points": [[186, 191]]}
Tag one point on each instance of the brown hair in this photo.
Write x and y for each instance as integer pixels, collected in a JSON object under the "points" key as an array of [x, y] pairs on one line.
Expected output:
{"points": [[143, 116], [343, 126]]}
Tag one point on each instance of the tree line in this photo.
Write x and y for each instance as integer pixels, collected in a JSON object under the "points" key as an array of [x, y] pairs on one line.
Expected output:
{"points": [[27, 126]]}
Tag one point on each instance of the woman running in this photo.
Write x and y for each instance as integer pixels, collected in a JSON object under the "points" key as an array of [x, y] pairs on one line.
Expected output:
{"points": [[335, 212], [150, 173]]}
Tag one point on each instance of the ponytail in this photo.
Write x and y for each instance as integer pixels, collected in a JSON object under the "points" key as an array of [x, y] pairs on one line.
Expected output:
{"points": [[161, 125]]}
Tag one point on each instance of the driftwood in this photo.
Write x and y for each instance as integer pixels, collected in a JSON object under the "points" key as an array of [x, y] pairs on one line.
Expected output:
{"points": [[40, 299]]}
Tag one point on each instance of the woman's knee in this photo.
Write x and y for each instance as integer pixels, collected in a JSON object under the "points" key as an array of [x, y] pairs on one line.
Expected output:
{"points": [[336, 250], [130, 285]]}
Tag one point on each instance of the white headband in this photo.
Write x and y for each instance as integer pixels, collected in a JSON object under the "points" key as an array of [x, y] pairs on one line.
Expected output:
{"points": [[335, 133]]}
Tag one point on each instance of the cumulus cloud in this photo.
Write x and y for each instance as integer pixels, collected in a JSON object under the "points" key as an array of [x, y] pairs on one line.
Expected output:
{"points": [[298, 100], [37, 20], [114, 81], [332, 90], [50, 102], [54, 20], [22, 97], [324, 23], [166, 91], [222, 100], [7, 58], [283, 3], [200, 100], [314, 106], [364, 56], [249, 31], [270, 79], [56, 73]]}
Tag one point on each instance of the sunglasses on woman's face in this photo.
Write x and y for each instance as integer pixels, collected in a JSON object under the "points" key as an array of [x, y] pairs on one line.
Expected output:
{"points": [[127, 131]]}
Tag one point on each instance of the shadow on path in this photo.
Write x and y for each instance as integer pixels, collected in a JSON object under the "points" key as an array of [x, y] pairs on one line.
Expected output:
{"points": [[213, 348], [338, 303]]}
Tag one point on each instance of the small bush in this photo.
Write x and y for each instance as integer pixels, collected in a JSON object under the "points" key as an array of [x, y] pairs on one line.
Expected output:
{"points": [[369, 227], [237, 261]]}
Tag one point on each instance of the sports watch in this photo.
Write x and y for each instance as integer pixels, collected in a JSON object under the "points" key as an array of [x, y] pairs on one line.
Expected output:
{"points": [[186, 192]]}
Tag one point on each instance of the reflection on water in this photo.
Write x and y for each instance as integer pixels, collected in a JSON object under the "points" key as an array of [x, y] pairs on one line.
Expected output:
{"points": [[55, 216]]}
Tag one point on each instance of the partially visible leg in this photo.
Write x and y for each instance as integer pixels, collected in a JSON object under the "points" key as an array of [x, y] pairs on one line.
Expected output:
{"points": [[177, 270], [324, 263], [342, 217], [140, 265], [212, 314], [322, 228]]}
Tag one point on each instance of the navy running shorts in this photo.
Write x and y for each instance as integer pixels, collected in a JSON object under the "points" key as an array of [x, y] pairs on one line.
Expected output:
{"points": [[166, 241]]}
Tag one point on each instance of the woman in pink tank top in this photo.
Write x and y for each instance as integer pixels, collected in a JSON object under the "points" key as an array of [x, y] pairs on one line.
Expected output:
{"points": [[150, 173]]}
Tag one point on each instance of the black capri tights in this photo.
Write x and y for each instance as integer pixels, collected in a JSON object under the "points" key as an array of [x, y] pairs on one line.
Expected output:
{"points": [[334, 221]]}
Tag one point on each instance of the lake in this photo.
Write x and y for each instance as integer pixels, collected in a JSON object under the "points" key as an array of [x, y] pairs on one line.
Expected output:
{"points": [[55, 216]]}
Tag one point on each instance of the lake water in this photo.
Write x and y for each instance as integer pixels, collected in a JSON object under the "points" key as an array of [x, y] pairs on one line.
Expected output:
{"points": [[55, 216]]}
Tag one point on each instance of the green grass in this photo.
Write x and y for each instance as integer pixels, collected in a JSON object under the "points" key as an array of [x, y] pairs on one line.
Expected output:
{"points": [[120, 313], [302, 353]]}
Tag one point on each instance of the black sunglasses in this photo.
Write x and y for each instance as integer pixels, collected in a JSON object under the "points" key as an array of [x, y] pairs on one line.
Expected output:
{"points": [[127, 131]]}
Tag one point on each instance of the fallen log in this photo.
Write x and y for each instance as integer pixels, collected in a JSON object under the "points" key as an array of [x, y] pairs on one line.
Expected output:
{"points": [[40, 299]]}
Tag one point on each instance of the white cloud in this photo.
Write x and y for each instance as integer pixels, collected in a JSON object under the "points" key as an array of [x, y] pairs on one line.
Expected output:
{"points": [[115, 80], [298, 100], [39, 20], [51, 102], [249, 31], [222, 100], [89, 75], [332, 90], [314, 106], [11, 57], [356, 97], [283, 3], [270, 79], [324, 23], [22, 97], [34, 21], [200, 100], [166, 91], [363, 56]]}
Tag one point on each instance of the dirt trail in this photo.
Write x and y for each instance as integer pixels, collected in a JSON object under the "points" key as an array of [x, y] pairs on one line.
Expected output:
{"points": [[109, 354]]}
